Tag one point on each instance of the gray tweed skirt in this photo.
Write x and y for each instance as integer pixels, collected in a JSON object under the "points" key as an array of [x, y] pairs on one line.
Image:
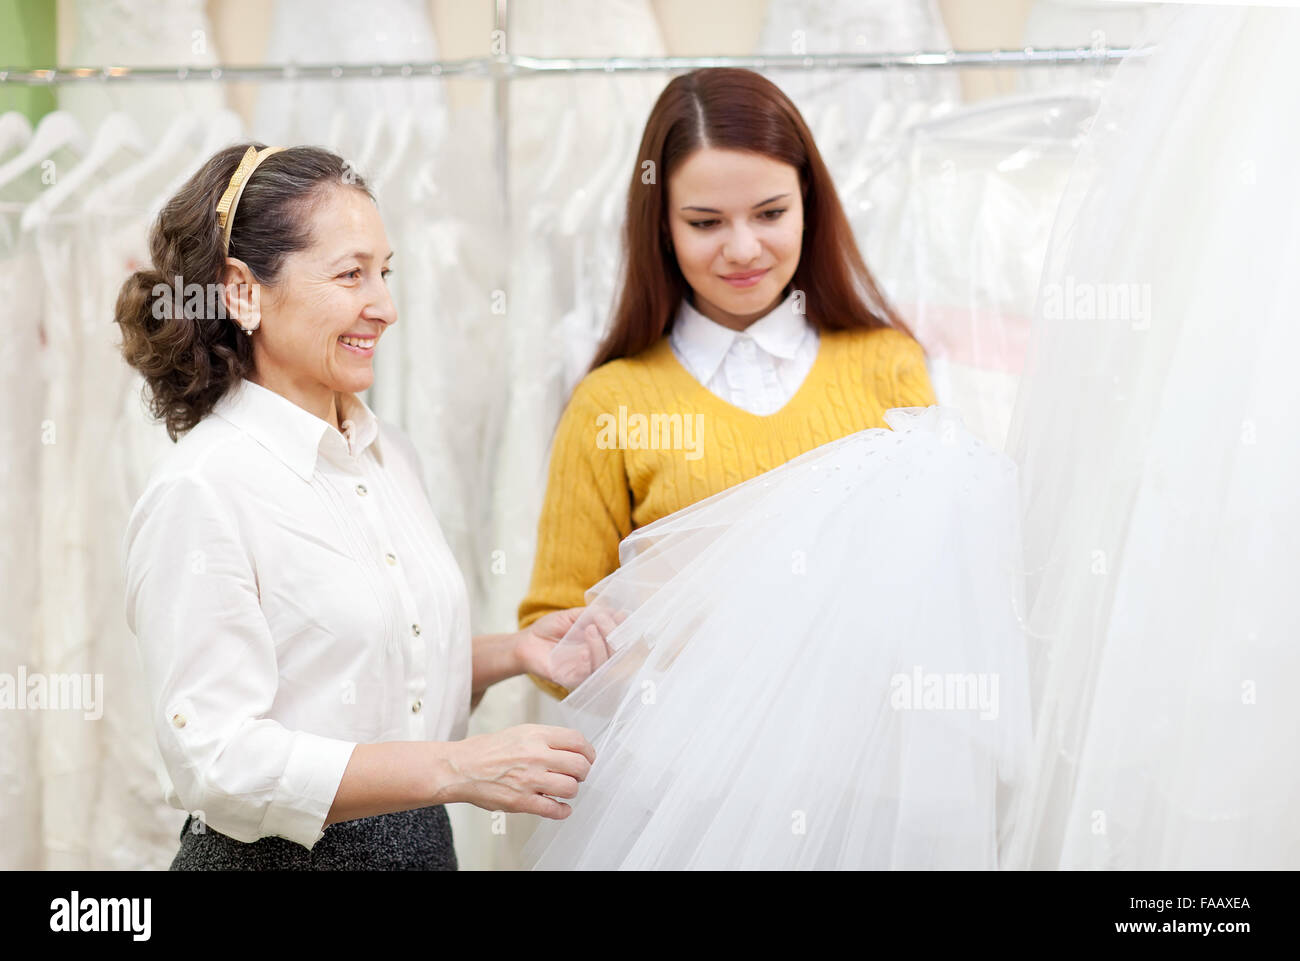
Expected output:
{"points": [[418, 840]]}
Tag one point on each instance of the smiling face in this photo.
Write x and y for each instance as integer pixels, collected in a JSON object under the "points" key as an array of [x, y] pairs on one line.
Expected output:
{"points": [[736, 221], [321, 323]]}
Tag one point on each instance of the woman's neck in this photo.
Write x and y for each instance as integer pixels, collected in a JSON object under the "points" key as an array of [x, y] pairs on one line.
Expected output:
{"points": [[316, 399]]}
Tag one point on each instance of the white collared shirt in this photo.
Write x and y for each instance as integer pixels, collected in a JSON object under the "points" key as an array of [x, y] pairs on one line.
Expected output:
{"points": [[758, 369], [292, 596]]}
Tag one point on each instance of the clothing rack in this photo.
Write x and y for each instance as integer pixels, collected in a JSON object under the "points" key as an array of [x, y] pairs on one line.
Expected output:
{"points": [[516, 65], [504, 67]]}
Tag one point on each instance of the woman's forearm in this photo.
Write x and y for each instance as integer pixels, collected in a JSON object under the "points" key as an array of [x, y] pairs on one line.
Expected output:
{"points": [[496, 657], [391, 776]]}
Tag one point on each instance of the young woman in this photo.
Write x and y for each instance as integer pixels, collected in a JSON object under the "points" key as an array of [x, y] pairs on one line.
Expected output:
{"points": [[816, 660], [748, 331]]}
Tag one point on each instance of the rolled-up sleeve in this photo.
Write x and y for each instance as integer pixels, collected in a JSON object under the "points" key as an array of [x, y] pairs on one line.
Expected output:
{"points": [[210, 663]]}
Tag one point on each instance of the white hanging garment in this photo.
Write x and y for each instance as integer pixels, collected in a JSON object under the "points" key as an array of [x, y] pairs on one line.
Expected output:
{"points": [[338, 114], [141, 33], [101, 806], [1156, 432], [21, 416], [838, 104], [439, 369], [119, 444]]}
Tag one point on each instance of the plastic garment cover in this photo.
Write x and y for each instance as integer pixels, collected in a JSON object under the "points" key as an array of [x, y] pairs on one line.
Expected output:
{"points": [[954, 215]]}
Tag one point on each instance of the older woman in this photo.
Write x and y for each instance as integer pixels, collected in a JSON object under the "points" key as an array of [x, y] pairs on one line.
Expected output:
{"points": [[303, 626]]}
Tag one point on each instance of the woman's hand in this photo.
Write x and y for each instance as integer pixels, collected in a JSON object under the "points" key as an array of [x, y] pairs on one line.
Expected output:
{"points": [[575, 662], [516, 769]]}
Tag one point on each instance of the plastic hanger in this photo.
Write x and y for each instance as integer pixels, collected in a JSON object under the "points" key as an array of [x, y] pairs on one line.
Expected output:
{"points": [[15, 131], [176, 140], [56, 131], [117, 134], [1083, 105], [182, 132]]}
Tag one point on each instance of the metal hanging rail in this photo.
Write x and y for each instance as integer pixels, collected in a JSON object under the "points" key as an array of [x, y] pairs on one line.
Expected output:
{"points": [[519, 65]]}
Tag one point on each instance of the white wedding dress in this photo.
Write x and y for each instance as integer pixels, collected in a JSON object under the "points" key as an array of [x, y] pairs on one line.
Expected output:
{"points": [[101, 806], [346, 116], [20, 435], [839, 104], [141, 33], [1156, 432], [819, 668]]}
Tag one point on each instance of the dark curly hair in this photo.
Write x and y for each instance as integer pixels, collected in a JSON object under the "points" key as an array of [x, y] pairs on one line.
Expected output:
{"points": [[190, 353]]}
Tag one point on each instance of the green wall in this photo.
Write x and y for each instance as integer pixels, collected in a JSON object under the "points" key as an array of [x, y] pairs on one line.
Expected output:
{"points": [[28, 39]]}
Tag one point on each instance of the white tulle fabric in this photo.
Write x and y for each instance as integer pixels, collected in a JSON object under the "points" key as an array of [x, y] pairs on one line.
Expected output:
{"points": [[754, 713], [1159, 468]]}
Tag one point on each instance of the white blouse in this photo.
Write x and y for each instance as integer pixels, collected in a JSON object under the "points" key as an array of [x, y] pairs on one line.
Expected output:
{"points": [[758, 369], [292, 596]]}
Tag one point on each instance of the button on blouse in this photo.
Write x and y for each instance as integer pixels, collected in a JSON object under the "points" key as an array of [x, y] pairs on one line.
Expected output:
{"points": [[292, 596]]}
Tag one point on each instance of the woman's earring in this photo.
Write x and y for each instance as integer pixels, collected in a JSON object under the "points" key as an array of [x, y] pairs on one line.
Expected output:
{"points": [[251, 327]]}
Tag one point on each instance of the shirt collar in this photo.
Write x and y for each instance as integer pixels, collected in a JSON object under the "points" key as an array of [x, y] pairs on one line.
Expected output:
{"points": [[705, 342], [295, 435]]}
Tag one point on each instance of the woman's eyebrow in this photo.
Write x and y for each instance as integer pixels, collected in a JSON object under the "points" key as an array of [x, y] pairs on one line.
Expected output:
{"points": [[761, 203], [358, 255]]}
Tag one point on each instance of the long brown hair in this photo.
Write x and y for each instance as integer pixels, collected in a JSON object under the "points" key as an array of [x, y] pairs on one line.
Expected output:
{"points": [[734, 110]]}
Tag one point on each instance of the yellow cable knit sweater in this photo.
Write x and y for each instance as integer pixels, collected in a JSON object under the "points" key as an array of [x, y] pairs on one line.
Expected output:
{"points": [[642, 438]]}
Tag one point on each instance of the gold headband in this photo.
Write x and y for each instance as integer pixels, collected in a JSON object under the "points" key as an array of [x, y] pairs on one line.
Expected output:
{"points": [[238, 181]]}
